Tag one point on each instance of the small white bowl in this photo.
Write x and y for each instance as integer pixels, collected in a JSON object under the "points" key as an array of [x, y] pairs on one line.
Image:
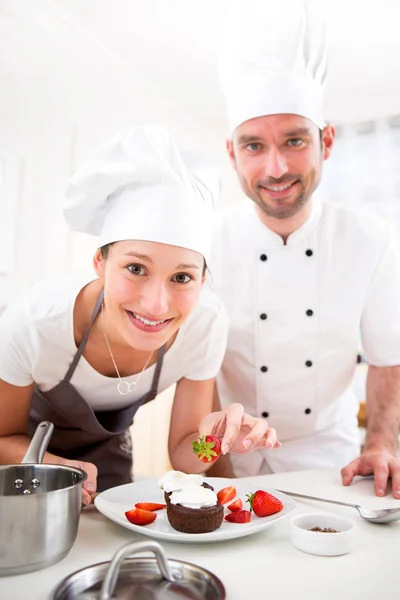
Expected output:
{"points": [[322, 543]]}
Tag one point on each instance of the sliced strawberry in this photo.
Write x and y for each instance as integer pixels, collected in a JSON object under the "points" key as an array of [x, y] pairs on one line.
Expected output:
{"points": [[150, 506], [226, 494], [140, 517], [207, 448], [264, 504], [237, 505], [240, 516]]}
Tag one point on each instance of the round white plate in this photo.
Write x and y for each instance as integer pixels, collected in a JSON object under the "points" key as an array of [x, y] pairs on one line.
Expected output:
{"points": [[113, 503]]}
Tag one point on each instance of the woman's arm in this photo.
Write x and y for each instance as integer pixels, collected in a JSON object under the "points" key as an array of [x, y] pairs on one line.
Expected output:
{"points": [[15, 403], [223, 466], [192, 401]]}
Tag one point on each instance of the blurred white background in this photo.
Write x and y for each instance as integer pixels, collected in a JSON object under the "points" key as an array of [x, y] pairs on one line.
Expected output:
{"points": [[73, 72]]}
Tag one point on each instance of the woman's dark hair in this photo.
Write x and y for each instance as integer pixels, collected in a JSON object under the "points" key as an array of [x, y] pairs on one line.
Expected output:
{"points": [[105, 250]]}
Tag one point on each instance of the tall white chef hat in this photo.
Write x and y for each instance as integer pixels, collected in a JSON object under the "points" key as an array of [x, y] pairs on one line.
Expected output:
{"points": [[273, 60], [139, 187]]}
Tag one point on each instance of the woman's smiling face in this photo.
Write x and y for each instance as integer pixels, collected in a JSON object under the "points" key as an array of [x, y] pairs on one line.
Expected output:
{"points": [[149, 290]]}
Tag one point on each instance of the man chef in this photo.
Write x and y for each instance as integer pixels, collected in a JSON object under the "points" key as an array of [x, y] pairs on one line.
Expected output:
{"points": [[300, 277]]}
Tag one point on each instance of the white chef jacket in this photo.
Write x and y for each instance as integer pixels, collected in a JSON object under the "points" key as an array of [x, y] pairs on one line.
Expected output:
{"points": [[296, 311]]}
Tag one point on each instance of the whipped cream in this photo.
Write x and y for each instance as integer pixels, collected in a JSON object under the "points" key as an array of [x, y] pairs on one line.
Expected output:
{"points": [[176, 480], [194, 496]]}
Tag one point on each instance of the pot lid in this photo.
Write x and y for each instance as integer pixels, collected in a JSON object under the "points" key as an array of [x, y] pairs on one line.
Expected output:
{"points": [[141, 578]]}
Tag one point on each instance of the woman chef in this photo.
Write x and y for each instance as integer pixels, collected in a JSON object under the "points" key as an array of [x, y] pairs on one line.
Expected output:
{"points": [[86, 353]]}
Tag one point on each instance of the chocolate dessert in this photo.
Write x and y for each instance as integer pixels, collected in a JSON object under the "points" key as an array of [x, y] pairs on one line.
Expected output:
{"points": [[194, 520]]}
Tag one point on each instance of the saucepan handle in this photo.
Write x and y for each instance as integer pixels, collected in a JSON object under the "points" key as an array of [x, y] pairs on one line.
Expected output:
{"points": [[110, 579], [39, 443]]}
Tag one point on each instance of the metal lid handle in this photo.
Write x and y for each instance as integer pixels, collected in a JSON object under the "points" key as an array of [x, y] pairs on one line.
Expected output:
{"points": [[39, 443], [110, 579]]}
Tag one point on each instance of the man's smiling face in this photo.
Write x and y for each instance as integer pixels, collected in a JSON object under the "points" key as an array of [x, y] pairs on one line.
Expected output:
{"points": [[279, 159]]}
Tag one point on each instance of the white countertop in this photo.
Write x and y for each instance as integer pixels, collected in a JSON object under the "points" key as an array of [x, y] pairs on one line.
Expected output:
{"points": [[264, 562]]}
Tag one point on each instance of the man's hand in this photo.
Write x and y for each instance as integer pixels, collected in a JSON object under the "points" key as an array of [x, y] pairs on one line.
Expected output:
{"points": [[380, 455], [89, 486], [380, 463]]}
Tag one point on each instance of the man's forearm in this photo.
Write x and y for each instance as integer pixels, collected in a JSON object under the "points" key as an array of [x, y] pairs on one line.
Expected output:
{"points": [[383, 407]]}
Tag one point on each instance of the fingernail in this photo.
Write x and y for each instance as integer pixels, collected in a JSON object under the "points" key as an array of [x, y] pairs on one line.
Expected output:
{"points": [[380, 492], [225, 448], [397, 493], [268, 444], [247, 444], [85, 500], [89, 487]]}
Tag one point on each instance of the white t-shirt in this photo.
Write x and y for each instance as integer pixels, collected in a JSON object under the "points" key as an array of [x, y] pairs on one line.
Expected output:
{"points": [[37, 345]]}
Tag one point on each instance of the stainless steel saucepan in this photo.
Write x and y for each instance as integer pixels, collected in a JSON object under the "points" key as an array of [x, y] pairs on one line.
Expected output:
{"points": [[40, 507]]}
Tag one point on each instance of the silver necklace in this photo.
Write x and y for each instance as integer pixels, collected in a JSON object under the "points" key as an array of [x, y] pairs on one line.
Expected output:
{"points": [[124, 387]]}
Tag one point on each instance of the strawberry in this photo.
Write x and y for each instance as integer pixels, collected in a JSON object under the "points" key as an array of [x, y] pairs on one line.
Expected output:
{"points": [[264, 504], [240, 516], [226, 494], [235, 506], [207, 448], [140, 517], [150, 506]]}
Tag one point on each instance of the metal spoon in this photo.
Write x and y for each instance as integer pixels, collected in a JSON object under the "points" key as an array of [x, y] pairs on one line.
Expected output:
{"points": [[383, 515]]}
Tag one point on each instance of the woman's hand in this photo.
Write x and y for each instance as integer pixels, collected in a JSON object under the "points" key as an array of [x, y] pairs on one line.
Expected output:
{"points": [[89, 486], [240, 433]]}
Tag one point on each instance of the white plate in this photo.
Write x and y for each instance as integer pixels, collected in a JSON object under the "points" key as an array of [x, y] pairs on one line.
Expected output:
{"points": [[113, 503]]}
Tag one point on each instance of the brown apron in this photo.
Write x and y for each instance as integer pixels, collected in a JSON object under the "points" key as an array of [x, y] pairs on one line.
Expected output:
{"points": [[100, 437]]}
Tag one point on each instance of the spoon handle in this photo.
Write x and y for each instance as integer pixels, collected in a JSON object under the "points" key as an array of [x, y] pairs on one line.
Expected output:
{"points": [[320, 499]]}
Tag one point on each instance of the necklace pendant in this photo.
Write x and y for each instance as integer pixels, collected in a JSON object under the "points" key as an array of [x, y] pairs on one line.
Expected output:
{"points": [[123, 387], [126, 387]]}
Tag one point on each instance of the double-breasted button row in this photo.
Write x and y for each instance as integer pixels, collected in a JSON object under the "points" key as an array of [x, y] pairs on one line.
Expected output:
{"points": [[263, 317]]}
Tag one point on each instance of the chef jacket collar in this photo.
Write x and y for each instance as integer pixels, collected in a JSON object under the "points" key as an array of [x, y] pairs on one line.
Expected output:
{"points": [[268, 239]]}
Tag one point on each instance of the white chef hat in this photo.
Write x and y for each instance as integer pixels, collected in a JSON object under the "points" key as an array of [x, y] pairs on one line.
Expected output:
{"points": [[139, 187], [273, 60]]}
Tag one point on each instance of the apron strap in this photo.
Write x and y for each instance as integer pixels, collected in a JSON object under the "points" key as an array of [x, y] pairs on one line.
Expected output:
{"points": [[156, 377], [83, 343]]}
